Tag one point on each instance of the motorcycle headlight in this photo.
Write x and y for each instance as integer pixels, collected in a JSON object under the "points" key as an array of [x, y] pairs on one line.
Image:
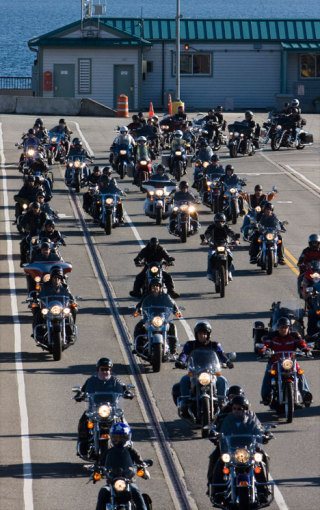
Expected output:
{"points": [[278, 127], [287, 364], [24, 207], [46, 278], [178, 153], [175, 209], [109, 201], [154, 269], [54, 139], [184, 208], [225, 457], [37, 279], [205, 164], [123, 152], [143, 162], [315, 275], [157, 322], [232, 190], [70, 165], [258, 457], [165, 127], [31, 152], [204, 378], [119, 485], [241, 455], [44, 311], [209, 183], [258, 208], [159, 192], [66, 311], [77, 164], [104, 411], [191, 209], [151, 193], [231, 133], [56, 309], [236, 133], [221, 249], [270, 237]]}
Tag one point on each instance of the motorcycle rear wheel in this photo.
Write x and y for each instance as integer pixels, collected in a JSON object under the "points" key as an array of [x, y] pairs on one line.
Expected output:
{"points": [[156, 357], [56, 345], [289, 405], [270, 262]]}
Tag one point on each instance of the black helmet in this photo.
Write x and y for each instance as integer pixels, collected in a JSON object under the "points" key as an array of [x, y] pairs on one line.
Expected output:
{"points": [[183, 184], [40, 193], [62, 121], [269, 206], [219, 218], [240, 400], [45, 244], [219, 108], [31, 131], [104, 362], [161, 168], [229, 168], [235, 390], [76, 141], [96, 168], [283, 321], [154, 242], [57, 271], [248, 114], [50, 223], [203, 326], [215, 157], [314, 241], [203, 143], [39, 121], [35, 205], [258, 187], [107, 170]]}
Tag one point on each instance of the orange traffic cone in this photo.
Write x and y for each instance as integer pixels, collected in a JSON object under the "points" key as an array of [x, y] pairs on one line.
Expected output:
{"points": [[169, 104], [151, 110]]}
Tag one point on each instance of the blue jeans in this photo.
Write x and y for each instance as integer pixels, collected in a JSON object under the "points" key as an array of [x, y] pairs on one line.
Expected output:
{"points": [[266, 384], [222, 386]]}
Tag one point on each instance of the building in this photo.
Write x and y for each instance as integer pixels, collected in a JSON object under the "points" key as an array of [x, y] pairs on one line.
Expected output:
{"points": [[239, 64]]}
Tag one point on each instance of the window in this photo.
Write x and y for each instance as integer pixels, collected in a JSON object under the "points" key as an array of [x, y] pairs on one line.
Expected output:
{"points": [[310, 66], [196, 63], [84, 77]]}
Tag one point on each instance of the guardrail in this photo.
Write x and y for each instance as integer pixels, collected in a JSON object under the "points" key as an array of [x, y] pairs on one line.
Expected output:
{"points": [[15, 82]]}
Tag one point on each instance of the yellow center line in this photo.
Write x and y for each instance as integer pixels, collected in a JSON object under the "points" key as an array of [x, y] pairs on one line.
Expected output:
{"points": [[290, 256], [291, 261]]}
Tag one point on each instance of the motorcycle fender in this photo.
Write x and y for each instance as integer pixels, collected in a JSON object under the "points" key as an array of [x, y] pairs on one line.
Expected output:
{"points": [[159, 204], [157, 339], [108, 211]]}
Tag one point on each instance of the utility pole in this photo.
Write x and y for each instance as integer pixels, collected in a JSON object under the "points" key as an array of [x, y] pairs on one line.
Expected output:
{"points": [[178, 51]]}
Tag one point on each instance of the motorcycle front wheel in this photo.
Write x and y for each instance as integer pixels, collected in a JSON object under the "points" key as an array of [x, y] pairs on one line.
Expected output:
{"points": [[270, 262], [275, 143], [184, 233], [289, 403], [233, 151], [108, 224], [244, 498], [56, 345], [205, 417], [221, 281], [156, 357], [233, 213], [158, 215]]}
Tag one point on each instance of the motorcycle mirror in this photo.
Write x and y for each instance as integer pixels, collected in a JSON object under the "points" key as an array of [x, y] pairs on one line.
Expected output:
{"points": [[285, 222], [148, 462], [130, 386], [126, 190], [76, 388], [275, 189], [78, 298], [232, 356], [259, 346]]}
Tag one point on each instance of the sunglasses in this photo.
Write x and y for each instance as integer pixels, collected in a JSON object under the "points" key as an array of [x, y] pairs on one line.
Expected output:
{"points": [[104, 369], [237, 409]]}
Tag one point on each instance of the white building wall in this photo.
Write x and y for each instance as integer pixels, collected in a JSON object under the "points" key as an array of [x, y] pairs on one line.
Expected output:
{"points": [[103, 61]]}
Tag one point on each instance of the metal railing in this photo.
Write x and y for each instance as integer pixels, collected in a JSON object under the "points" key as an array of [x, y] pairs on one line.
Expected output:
{"points": [[15, 82]]}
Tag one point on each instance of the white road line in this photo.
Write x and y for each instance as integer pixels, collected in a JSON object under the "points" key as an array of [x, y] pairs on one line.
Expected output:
{"points": [[24, 422], [277, 494], [301, 176]]}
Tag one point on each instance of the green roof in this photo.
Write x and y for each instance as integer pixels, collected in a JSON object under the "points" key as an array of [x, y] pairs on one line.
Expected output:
{"points": [[301, 46], [198, 30]]}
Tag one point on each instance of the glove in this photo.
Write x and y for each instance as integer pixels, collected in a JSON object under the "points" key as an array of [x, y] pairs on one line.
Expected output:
{"points": [[171, 259], [179, 364], [128, 394], [230, 364]]}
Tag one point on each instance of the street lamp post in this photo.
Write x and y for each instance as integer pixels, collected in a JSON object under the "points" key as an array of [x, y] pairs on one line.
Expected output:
{"points": [[178, 51]]}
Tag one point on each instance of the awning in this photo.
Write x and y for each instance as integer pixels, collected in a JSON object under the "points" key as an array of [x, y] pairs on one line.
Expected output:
{"points": [[295, 46]]}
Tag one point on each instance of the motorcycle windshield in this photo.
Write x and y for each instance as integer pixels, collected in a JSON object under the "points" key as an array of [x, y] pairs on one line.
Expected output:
{"points": [[101, 397], [119, 464], [290, 309], [204, 360], [235, 441], [157, 311], [55, 134], [50, 301]]}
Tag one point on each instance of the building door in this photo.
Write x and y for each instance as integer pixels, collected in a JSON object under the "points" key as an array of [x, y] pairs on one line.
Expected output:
{"points": [[124, 84], [64, 80]]}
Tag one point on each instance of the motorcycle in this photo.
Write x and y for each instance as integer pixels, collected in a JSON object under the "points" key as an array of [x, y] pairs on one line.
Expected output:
{"points": [[291, 138], [198, 173], [54, 333], [310, 281], [178, 163], [153, 346], [55, 147], [267, 257], [143, 171], [231, 201], [118, 483], [29, 157], [185, 225], [313, 314], [241, 463], [240, 140], [158, 203], [21, 207], [154, 272], [108, 211], [124, 164], [217, 138], [77, 171], [204, 403], [219, 252], [103, 410], [210, 193]]}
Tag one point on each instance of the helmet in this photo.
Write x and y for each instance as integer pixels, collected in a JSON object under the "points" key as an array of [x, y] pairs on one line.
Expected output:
{"points": [[154, 241], [123, 129], [45, 244], [155, 117], [31, 131], [40, 193], [178, 134], [49, 223], [248, 114], [120, 434], [219, 219], [161, 168], [215, 157], [295, 103], [30, 178], [154, 282], [235, 390], [219, 108], [107, 170], [283, 321], [104, 362], [269, 206], [56, 271], [203, 326], [62, 121], [39, 121], [76, 141], [241, 400], [258, 187], [96, 168], [314, 241], [183, 184], [229, 168], [35, 205], [141, 139]]}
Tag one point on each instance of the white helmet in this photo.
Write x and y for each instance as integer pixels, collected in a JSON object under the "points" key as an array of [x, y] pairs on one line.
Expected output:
{"points": [[295, 103], [141, 139], [124, 130], [178, 134]]}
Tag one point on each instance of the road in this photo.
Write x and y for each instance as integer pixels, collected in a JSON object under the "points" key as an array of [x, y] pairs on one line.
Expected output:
{"points": [[38, 418]]}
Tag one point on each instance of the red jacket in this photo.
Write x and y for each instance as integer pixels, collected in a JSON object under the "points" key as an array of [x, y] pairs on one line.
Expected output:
{"points": [[288, 343]]}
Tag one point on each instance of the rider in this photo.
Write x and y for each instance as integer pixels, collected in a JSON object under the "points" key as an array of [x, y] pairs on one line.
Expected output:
{"points": [[160, 175], [253, 128], [51, 233], [27, 193], [267, 218], [121, 454], [45, 254], [230, 180], [284, 340], [254, 200], [156, 297], [180, 116], [183, 195], [102, 381], [123, 140], [63, 129], [310, 253], [202, 332], [32, 222], [107, 185], [153, 252], [76, 150], [218, 231]]}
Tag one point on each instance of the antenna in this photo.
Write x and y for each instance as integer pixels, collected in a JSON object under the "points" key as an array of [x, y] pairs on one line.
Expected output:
{"points": [[92, 9]]}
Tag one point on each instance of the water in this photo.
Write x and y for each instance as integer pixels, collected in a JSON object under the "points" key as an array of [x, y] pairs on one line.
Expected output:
{"points": [[22, 20]]}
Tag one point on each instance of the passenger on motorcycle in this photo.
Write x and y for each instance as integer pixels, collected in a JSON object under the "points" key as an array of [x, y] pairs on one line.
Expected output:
{"points": [[267, 218], [121, 450], [44, 206], [101, 381], [153, 252], [216, 232], [202, 333], [157, 298], [284, 340], [183, 195]]}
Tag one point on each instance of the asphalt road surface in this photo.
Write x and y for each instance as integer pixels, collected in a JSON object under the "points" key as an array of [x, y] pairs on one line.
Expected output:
{"points": [[39, 468]]}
